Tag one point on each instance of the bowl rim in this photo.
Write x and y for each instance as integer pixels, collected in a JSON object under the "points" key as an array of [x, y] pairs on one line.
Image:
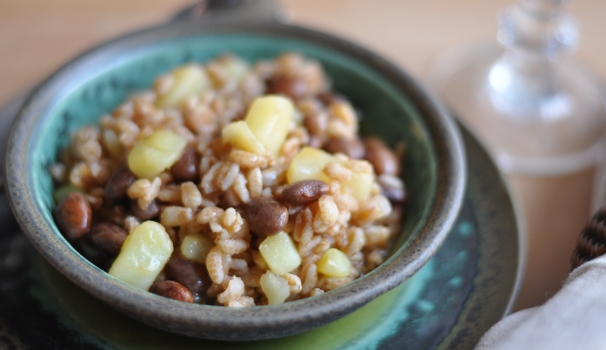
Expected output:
{"points": [[451, 179]]}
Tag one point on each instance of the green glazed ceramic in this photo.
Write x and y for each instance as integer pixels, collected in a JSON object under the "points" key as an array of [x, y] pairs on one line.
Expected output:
{"points": [[394, 107]]}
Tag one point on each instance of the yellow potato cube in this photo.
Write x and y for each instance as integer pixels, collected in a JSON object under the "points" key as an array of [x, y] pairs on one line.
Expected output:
{"points": [[334, 263], [382, 206], [280, 253], [268, 119], [359, 185], [195, 247], [235, 67], [187, 81], [240, 136], [308, 164], [144, 254], [276, 288], [155, 153]]}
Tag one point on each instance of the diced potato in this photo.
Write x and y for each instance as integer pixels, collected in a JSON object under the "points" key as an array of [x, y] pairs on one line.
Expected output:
{"points": [[382, 206], [308, 164], [280, 253], [239, 135], [276, 288], [334, 263], [111, 142], [155, 153], [359, 185], [144, 254], [63, 191], [195, 247], [187, 81], [265, 127], [235, 67], [268, 119]]}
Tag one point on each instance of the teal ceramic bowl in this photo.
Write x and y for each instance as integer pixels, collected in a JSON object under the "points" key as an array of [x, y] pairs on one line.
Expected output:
{"points": [[394, 106]]}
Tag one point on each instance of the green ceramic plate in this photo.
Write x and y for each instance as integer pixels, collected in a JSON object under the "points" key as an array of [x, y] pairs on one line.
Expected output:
{"points": [[470, 284]]}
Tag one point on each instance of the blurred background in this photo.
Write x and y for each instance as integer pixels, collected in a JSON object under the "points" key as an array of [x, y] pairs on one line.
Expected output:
{"points": [[37, 37]]}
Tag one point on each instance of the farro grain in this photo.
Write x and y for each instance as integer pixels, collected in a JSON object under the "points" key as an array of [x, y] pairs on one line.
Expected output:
{"points": [[239, 264], [131, 223], [357, 240], [338, 172], [247, 159], [376, 234], [239, 188], [294, 283], [338, 129], [323, 246], [309, 277], [374, 258], [328, 210], [316, 291], [303, 231], [343, 112], [170, 194], [243, 301], [331, 283], [233, 291], [175, 216], [214, 265], [144, 191], [190, 195], [209, 178], [255, 183], [232, 246], [306, 247], [230, 198]]}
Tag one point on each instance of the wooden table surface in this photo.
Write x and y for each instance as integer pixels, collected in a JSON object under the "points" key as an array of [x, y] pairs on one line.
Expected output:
{"points": [[36, 37]]}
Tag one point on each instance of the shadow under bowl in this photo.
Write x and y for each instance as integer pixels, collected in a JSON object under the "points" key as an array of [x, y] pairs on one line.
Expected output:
{"points": [[393, 105]]}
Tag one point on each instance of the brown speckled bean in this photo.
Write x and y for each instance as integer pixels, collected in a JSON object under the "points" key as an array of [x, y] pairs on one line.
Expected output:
{"points": [[111, 211], [266, 216], [118, 183], [108, 237], [151, 211], [292, 87], [172, 290], [353, 148], [192, 275], [381, 157], [305, 191], [316, 124], [186, 168], [74, 216]]}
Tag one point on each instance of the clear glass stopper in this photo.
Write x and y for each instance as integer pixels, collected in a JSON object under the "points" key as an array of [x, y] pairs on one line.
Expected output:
{"points": [[537, 112]]}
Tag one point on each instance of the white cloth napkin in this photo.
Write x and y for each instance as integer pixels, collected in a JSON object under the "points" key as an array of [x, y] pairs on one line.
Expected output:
{"points": [[574, 318]]}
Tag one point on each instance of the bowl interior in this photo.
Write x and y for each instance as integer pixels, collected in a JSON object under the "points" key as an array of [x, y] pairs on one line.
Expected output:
{"points": [[100, 88]]}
